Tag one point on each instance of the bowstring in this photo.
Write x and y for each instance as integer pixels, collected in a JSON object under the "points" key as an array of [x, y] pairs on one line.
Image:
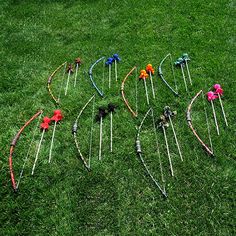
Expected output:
{"points": [[141, 158], [28, 152], [91, 134], [172, 68], [63, 76], [103, 74], [158, 150], [136, 90], [207, 121]]}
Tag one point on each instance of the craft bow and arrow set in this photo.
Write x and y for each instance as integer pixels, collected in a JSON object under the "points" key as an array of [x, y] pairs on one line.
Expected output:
{"points": [[164, 124]]}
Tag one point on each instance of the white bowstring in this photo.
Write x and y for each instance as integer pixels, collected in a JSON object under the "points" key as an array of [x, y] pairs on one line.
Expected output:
{"points": [[27, 155]]}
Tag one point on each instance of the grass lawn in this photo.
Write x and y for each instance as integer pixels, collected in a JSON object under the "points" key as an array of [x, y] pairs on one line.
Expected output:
{"points": [[117, 197]]}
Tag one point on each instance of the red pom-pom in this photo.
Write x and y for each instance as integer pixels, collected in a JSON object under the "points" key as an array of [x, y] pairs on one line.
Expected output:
{"points": [[57, 117], [46, 120], [57, 112], [44, 126]]}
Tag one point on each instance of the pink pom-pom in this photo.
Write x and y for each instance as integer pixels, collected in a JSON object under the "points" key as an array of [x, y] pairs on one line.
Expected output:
{"points": [[219, 91], [211, 96], [217, 86]]}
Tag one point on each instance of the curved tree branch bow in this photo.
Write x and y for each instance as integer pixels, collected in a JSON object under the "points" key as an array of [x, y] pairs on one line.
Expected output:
{"points": [[74, 133], [13, 144], [162, 76], [100, 92], [135, 114], [189, 120], [139, 152], [50, 78]]}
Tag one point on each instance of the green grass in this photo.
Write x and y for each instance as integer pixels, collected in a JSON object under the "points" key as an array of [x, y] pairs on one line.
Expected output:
{"points": [[116, 198]]}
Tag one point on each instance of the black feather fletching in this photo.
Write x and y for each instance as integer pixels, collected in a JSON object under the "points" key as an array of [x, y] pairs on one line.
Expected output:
{"points": [[101, 113], [111, 107]]}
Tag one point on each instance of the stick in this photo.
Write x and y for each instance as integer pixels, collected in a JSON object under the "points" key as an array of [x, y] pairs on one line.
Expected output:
{"points": [[189, 76], [67, 83], [176, 140], [168, 151], [153, 92], [116, 70], [37, 153], [185, 83], [52, 141], [109, 77], [214, 115], [145, 86], [76, 72], [223, 111], [100, 141], [111, 127]]}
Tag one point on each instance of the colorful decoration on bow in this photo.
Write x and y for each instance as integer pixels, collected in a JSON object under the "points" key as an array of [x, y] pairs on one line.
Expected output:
{"points": [[189, 120], [164, 121], [144, 75], [78, 63], [134, 113], [57, 117], [99, 118], [160, 73], [211, 97], [140, 153], [44, 126], [116, 60], [75, 131], [100, 92], [15, 184], [108, 63], [50, 79], [150, 71], [69, 72], [219, 92], [111, 109]]}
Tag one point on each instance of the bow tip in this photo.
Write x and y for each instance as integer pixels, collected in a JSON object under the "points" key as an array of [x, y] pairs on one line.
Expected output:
{"points": [[165, 194]]}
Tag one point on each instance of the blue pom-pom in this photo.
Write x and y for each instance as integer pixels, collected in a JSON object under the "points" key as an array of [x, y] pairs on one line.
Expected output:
{"points": [[109, 61], [116, 57]]}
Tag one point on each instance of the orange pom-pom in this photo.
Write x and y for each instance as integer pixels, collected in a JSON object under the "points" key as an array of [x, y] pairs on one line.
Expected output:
{"points": [[143, 74], [149, 69]]}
